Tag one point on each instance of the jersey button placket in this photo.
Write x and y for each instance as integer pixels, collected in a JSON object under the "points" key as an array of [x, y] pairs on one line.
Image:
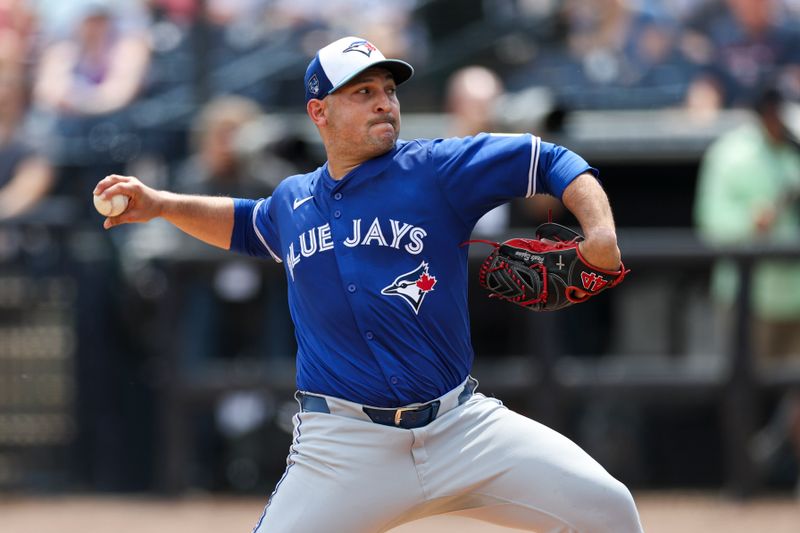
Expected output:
{"points": [[342, 230]]}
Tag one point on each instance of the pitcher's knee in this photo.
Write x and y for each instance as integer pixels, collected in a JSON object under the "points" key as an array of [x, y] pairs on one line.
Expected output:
{"points": [[608, 508]]}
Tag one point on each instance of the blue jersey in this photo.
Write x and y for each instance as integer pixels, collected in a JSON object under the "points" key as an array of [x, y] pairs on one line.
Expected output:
{"points": [[376, 272]]}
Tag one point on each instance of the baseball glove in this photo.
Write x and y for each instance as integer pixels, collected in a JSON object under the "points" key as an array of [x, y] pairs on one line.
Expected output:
{"points": [[546, 273]]}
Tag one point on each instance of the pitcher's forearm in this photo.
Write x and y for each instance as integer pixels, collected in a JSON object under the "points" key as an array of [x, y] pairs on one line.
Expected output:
{"points": [[585, 198], [207, 218]]}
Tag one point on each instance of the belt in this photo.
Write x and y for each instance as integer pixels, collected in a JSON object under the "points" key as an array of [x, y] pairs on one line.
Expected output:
{"points": [[408, 417]]}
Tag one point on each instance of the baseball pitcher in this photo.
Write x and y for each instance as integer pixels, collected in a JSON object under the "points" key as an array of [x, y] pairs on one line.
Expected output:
{"points": [[390, 426]]}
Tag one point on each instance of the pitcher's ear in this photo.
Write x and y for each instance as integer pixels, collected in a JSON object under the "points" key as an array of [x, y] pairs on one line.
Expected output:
{"points": [[316, 110]]}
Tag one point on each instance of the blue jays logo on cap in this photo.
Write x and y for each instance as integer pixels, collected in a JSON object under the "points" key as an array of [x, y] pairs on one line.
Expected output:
{"points": [[335, 65], [313, 85], [365, 47]]}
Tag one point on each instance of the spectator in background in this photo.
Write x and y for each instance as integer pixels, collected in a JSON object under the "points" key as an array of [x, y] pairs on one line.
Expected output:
{"points": [[99, 69], [224, 160], [17, 26], [58, 19], [614, 55], [25, 176], [748, 190], [91, 69], [738, 48], [471, 98], [631, 53]]}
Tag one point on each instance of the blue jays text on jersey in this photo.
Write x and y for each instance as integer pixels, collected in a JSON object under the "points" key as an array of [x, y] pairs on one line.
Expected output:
{"points": [[377, 277], [318, 239]]}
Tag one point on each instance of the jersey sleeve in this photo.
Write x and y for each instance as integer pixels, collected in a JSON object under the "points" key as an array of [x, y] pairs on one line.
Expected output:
{"points": [[479, 173], [254, 230], [557, 167]]}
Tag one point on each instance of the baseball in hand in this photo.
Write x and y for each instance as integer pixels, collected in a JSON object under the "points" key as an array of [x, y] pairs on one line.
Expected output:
{"points": [[113, 207]]}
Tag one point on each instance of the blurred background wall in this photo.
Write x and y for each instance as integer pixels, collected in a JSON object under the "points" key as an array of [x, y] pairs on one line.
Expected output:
{"points": [[137, 360]]}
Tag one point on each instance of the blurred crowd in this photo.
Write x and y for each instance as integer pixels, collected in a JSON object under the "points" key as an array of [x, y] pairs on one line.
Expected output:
{"points": [[115, 85], [704, 54], [100, 86]]}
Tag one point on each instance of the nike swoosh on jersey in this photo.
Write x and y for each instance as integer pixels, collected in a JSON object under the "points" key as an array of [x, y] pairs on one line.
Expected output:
{"points": [[300, 201]]}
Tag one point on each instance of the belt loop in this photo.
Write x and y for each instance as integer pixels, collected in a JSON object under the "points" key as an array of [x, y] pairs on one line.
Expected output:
{"points": [[316, 404], [469, 389]]}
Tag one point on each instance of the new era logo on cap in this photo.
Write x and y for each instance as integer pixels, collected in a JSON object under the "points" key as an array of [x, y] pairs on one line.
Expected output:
{"points": [[342, 60]]}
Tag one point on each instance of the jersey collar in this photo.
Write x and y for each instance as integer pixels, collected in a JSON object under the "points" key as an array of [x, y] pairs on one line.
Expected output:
{"points": [[361, 173]]}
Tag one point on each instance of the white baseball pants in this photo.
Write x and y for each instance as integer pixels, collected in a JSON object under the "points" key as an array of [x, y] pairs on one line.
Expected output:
{"points": [[346, 474]]}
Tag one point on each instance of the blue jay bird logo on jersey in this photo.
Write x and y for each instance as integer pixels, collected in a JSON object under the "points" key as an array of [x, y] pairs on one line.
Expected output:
{"points": [[412, 286], [364, 47]]}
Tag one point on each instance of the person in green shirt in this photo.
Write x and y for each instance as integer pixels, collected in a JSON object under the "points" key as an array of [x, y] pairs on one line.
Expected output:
{"points": [[749, 190]]}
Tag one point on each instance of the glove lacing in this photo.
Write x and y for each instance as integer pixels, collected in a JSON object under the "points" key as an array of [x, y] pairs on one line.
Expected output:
{"points": [[503, 265]]}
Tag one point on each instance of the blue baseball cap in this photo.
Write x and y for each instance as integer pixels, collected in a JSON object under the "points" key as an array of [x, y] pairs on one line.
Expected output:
{"points": [[342, 60]]}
